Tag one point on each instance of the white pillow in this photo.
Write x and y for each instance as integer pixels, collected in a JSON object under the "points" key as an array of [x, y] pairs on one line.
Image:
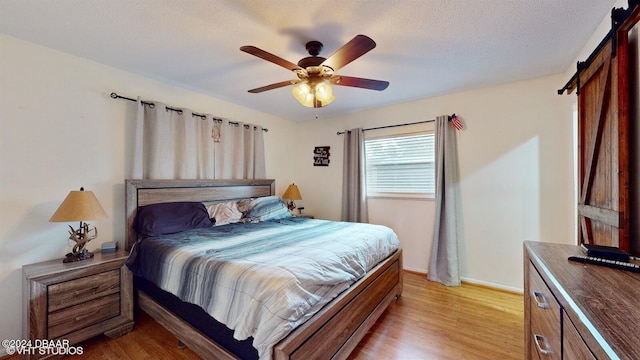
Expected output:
{"points": [[224, 212]]}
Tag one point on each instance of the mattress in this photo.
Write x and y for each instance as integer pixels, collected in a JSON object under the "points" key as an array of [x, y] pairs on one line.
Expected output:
{"points": [[199, 319]]}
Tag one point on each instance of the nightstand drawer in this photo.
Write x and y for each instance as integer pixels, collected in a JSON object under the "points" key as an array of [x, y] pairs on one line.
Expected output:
{"points": [[81, 290], [80, 316]]}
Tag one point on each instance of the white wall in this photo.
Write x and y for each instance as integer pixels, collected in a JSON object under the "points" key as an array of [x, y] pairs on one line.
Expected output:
{"points": [[515, 167], [59, 130]]}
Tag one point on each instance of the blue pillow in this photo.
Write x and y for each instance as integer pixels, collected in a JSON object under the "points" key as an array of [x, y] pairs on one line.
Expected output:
{"points": [[267, 208], [171, 217]]}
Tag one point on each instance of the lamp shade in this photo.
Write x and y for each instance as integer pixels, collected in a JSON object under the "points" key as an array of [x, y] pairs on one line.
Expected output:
{"points": [[292, 193], [79, 206]]}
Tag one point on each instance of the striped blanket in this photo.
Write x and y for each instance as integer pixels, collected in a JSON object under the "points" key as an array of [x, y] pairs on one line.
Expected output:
{"points": [[263, 279]]}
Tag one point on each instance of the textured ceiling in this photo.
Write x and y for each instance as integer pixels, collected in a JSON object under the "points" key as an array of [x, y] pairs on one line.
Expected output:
{"points": [[425, 48]]}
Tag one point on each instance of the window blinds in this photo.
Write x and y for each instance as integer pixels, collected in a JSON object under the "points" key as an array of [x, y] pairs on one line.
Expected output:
{"points": [[400, 164]]}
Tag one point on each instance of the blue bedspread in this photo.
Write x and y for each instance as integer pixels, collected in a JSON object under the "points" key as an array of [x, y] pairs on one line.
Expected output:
{"points": [[263, 279]]}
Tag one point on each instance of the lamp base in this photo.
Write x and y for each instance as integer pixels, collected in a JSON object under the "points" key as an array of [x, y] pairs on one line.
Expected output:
{"points": [[83, 255]]}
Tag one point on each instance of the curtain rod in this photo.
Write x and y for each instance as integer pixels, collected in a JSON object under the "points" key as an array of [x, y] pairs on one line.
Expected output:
{"points": [[392, 126], [203, 117]]}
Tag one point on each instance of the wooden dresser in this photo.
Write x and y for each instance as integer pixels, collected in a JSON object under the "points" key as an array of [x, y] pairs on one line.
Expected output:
{"points": [[578, 311], [79, 300]]}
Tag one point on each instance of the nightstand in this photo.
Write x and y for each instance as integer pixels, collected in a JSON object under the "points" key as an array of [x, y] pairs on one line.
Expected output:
{"points": [[79, 300], [306, 216]]}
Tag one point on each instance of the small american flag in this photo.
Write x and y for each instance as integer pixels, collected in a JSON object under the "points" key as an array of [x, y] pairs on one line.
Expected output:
{"points": [[456, 122]]}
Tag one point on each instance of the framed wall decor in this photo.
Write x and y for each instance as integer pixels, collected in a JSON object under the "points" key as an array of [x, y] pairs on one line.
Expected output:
{"points": [[321, 156]]}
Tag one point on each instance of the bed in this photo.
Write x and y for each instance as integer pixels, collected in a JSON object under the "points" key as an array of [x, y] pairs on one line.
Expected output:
{"points": [[332, 332]]}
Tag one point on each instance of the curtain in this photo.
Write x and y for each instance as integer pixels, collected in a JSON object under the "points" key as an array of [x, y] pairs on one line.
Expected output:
{"points": [[172, 144], [354, 186], [444, 264], [239, 151]]}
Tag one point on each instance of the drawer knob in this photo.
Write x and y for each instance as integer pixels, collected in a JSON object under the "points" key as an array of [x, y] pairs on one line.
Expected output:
{"points": [[542, 344], [540, 299]]}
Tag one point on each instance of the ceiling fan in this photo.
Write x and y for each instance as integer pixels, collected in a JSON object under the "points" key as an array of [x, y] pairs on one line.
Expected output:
{"points": [[316, 74]]}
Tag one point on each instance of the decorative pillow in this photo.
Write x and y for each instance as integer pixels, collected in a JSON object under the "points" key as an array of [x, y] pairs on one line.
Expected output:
{"points": [[266, 208], [243, 205], [224, 212], [171, 217]]}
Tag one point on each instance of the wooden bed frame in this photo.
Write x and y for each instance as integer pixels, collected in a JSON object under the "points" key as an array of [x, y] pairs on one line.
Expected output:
{"points": [[332, 333]]}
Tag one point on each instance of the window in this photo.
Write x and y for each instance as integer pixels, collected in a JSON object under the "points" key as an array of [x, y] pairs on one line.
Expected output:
{"points": [[400, 166]]}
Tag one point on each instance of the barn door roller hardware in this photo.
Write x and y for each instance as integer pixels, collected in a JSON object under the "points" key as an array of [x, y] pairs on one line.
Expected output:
{"points": [[619, 17]]}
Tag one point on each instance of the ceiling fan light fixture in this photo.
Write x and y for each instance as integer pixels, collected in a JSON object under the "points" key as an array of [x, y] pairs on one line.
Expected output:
{"points": [[313, 94], [324, 92], [302, 93]]}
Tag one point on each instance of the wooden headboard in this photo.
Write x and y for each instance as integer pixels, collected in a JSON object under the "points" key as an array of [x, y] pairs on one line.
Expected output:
{"points": [[145, 192]]}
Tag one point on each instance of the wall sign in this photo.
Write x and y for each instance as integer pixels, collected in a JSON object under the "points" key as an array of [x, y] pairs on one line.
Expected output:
{"points": [[321, 156]]}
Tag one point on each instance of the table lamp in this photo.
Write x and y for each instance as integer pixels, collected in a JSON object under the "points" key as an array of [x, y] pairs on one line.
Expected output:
{"points": [[292, 193], [79, 206]]}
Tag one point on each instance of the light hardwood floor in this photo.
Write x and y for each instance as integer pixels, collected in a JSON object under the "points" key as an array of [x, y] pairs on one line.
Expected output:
{"points": [[432, 321], [429, 321]]}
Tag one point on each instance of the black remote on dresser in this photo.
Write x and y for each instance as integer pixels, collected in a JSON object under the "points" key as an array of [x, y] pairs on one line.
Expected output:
{"points": [[606, 262]]}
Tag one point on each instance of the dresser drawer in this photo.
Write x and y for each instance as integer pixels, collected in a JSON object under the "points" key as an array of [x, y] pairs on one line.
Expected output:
{"points": [[545, 319], [80, 316], [81, 290], [573, 345]]}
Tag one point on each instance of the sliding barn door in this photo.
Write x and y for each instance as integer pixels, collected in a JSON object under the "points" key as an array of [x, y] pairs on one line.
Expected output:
{"points": [[603, 147]]}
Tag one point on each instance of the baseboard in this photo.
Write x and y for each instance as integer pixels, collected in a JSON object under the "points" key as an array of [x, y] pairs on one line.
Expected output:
{"points": [[414, 270], [475, 282], [493, 286]]}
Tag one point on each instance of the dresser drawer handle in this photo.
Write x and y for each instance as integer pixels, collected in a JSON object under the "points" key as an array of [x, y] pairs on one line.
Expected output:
{"points": [[540, 299], [541, 343]]}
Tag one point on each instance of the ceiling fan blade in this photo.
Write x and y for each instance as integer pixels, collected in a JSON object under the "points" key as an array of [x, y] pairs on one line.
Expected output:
{"points": [[352, 50], [359, 82], [269, 57], [274, 86]]}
